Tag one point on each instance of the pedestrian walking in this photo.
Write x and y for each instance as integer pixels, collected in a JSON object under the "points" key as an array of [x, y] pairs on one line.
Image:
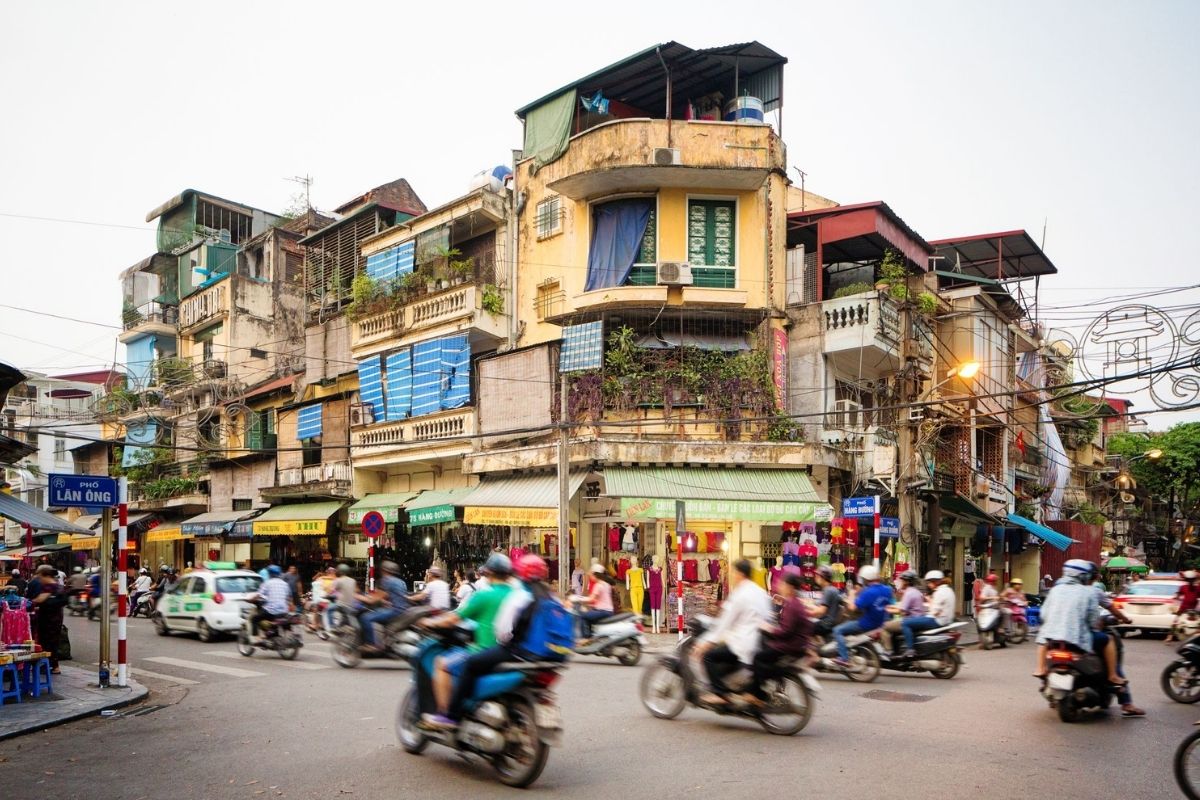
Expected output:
{"points": [[46, 594]]}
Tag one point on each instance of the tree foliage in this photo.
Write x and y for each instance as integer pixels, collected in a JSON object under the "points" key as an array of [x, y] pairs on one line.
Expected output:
{"points": [[1178, 468]]}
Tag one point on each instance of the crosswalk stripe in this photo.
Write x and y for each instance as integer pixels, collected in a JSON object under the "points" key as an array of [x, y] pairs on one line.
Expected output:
{"points": [[202, 667], [138, 672], [280, 662]]}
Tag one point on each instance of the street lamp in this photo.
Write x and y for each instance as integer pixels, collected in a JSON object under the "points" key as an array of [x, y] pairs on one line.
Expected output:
{"points": [[965, 370]]}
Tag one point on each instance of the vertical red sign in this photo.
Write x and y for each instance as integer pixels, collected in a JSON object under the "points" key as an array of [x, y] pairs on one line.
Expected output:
{"points": [[779, 367]]}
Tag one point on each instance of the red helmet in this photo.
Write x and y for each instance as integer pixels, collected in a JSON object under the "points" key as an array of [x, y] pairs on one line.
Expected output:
{"points": [[992, 578], [532, 568]]}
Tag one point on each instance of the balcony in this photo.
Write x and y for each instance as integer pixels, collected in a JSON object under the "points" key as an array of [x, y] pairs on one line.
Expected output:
{"points": [[178, 486], [629, 154], [453, 309], [386, 438], [205, 306], [862, 334], [148, 319], [330, 479]]}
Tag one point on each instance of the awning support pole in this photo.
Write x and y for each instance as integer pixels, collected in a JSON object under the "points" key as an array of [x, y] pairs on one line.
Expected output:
{"points": [[564, 491]]}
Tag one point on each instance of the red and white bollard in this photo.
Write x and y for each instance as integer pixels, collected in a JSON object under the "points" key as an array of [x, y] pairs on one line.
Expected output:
{"points": [[679, 581], [122, 578]]}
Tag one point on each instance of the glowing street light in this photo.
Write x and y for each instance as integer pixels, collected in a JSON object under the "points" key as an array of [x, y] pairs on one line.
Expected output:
{"points": [[965, 370]]}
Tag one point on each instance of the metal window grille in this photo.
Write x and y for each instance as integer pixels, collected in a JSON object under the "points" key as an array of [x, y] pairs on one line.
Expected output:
{"points": [[549, 217]]}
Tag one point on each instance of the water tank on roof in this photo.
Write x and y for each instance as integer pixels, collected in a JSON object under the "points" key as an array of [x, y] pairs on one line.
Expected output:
{"points": [[491, 178]]}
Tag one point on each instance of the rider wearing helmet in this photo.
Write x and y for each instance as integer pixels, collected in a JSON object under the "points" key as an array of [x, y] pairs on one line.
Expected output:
{"points": [[872, 603], [141, 586], [910, 607], [1188, 597], [77, 582], [482, 608], [828, 609], [1070, 611], [389, 600], [275, 597]]}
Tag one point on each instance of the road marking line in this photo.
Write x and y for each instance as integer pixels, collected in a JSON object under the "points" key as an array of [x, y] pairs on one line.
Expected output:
{"points": [[135, 672], [197, 665], [280, 662]]}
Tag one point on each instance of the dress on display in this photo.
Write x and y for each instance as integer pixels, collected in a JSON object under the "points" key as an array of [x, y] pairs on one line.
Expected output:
{"points": [[714, 570], [656, 588], [635, 579]]}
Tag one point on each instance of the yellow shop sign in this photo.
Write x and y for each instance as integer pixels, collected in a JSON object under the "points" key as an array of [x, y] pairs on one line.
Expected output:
{"points": [[518, 517], [300, 527]]}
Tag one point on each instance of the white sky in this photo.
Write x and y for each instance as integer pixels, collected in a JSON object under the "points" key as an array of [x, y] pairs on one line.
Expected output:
{"points": [[966, 117]]}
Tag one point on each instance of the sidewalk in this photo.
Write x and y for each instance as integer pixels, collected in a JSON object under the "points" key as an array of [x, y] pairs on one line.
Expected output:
{"points": [[75, 696]]}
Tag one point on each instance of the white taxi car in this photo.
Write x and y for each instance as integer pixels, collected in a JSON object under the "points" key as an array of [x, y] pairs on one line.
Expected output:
{"points": [[207, 601], [1150, 604]]}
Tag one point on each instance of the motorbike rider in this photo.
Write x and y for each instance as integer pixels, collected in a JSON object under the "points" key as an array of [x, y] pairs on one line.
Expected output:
{"points": [[77, 582], [1106, 643], [389, 600], [735, 635], [1188, 597], [1071, 609], [599, 600], [482, 608], [911, 606], [872, 603], [940, 613], [827, 610], [790, 638], [141, 586], [436, 592], [276, 599]]}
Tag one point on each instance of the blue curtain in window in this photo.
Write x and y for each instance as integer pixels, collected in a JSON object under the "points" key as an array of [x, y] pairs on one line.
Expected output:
{"points": [[399, 384], [390, 264], [617, 231], [370, 386], [138, 433], [427, 377], [139, 357], [456, 366], [308, 426]]}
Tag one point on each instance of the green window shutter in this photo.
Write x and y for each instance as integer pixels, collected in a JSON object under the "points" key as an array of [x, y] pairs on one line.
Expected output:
{"points": [[712, 245], [648, 253]]}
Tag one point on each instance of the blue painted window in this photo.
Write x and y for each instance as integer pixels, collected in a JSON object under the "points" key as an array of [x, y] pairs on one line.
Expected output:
{"points": [[390, 264], [370, 386], [308, 426]]}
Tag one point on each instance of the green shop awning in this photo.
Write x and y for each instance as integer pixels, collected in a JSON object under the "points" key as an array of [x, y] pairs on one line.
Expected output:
{"points": [[766, 495], [959, 506], [297, 519], [433, 506], [388, 504]]}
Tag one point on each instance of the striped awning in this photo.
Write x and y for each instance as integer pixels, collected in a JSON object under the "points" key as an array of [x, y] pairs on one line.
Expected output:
{"points": [[388, 504], [1047, 535], [431, 507], [297, 519], [21, 512], [520, 500], [308, 423], [766, 495]]}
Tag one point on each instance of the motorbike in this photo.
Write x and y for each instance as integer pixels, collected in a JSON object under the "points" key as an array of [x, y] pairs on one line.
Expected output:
{"points": [[1187, 765], [1076, 683], [511, 720], [77, 603], [937, 652], [989, 621], [277, 635], [864, 658], [1018, 622], [398, 640], [1187, 626], [675, 681], [1181, 678], [620, 636], [144, 606]]}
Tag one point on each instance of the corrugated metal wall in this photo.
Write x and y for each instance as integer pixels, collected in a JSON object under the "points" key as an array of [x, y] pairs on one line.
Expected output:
{"points": [[1087, 545]]}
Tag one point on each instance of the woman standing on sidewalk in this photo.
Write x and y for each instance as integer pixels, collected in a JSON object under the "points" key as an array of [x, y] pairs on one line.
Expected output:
{"points": [[48, 601]]}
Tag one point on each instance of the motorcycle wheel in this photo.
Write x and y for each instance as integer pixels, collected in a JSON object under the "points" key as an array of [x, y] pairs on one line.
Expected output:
{"points": [[345, 653], [1019, 633], [1180, 682], [411, 737], [948, 668], [662, 692], [244, 645], [1068, 711], [525, 753], [1187, 766], [864, 663], [289, 651], [789, 707], [160, 625], [630, 653]]}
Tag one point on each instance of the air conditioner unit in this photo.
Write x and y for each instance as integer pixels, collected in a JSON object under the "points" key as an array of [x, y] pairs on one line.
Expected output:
{"points": [[362, 414], [667, 157], [847, 414], [673, 273]]}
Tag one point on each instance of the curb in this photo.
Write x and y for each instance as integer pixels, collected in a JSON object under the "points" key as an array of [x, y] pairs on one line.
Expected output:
{"points": [[137, 693]]}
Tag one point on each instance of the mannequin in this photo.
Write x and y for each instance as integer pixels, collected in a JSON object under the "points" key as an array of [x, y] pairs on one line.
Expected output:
{"points": [[635, 584], [655, 580]]}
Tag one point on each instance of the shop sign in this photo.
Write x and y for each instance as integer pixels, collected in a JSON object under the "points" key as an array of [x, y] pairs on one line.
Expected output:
{"points": [[390, 514], [860, 506], [503, 515], [889, 527], [240, 530], [779, 367], [301, 527], [431, 516], [85, 543], [205, 528], [644, 508], [164, 535]]}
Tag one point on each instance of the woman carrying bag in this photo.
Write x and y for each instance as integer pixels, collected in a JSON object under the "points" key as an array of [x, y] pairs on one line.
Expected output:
{"points": [[48, 601]]}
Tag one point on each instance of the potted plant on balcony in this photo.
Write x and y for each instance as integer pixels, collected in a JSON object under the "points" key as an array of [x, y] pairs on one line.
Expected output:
{"points": [[857, 287], [410, 282], [927, 303], [893, 276], [492, 300], [461, 269]]}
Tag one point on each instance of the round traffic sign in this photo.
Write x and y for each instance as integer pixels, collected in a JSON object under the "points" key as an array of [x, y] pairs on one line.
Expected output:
{"points": [[372, 524]]}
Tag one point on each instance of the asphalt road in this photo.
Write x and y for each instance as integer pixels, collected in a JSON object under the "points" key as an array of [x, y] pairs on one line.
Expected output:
{"points": [[234, 727]]}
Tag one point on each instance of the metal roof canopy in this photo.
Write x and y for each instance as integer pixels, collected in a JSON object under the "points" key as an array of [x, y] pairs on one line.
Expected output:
{"points": [[521, 491], [640, 80], [1011, 255], [440, 497], [702, 483], [21, 512], [296, 512], [858, 232]]}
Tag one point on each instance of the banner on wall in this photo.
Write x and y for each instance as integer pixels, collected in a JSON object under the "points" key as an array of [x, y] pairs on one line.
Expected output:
{"points": [[518, 517], [647, 508]]}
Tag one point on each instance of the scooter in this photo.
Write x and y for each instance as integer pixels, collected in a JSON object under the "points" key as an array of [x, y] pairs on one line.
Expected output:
{"points": [[621, 636], [864, 658], [1018, 623], [511, 720], [674, 682], [77, 603], [1181, 678], [1076, 683], [277, 635], [144, 606], [989, 621], [398, 640], [937, 652]]}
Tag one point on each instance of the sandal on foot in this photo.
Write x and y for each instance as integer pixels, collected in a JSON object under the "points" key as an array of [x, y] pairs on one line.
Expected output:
{"points": [[1132, 711]]}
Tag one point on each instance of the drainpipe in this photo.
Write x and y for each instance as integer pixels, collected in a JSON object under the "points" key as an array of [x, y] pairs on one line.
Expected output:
{"points": [[658, 52], [514, 204]]}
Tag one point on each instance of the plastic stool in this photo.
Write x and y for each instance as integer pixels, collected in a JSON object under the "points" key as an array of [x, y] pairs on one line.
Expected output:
{"points": [[9, 674], [37, 677]]}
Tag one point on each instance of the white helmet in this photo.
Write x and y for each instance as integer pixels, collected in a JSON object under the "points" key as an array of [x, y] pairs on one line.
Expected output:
{"points": [[935, 575], [868, 573]]}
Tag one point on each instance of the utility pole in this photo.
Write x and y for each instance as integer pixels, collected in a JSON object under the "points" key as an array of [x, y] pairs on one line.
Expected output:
{"points": [[106, 542], [907, 455], [564, 489]]}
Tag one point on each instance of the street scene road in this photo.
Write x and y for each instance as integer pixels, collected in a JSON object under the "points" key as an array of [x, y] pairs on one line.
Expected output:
{"points": [[235, 727]]}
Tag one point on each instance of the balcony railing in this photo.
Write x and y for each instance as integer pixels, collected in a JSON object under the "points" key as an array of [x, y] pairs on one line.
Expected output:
{"points": [[443, 425], [205, 305], [149, 313], [456, 304], [315, 473], [862, 331]]}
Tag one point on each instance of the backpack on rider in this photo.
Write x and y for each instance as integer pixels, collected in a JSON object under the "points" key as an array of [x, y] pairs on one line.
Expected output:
{"points": [[545, 630]]}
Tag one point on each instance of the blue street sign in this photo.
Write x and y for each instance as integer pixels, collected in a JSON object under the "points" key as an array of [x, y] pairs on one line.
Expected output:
{"points": [[889, 527], [860, 506], [83, 491]]}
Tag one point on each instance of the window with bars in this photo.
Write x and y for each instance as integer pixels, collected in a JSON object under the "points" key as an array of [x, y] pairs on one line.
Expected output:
{"points": [[242, 504], [549, 217], [712, 233]]}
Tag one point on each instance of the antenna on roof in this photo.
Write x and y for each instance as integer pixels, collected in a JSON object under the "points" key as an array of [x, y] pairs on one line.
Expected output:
{"points": [[803, 194], [306, 181]]}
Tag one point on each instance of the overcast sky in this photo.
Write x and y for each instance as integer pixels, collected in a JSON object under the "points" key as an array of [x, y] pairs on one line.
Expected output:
{"points": [[966, 117]]}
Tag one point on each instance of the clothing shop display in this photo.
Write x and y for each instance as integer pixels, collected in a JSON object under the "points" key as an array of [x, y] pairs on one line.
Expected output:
{"points": [[716, 541], [656, 588], [614, 538], [635, 583], [690, 570], [776, 574], [791, 551], [623, 566], [629, 539], [714, 570], [759, 576]]}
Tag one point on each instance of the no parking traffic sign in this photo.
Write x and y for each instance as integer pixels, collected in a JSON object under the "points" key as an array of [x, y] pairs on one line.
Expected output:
{"points": [[372, 524]]}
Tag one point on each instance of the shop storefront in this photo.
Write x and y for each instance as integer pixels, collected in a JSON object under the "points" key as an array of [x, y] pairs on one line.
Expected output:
{"points": [[298, 534], [42, 532], [209, 537]]}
